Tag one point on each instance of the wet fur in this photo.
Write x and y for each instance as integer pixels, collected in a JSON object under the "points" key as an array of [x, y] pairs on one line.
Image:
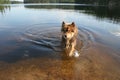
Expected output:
{"points": [[69, 37]]}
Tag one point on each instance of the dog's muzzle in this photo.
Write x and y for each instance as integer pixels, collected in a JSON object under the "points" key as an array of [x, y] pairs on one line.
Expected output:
{"points": [[65, 36]]}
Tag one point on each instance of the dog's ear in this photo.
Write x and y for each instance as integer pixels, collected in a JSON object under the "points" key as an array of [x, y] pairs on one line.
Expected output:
{"points": [[63, 23], [73, 24]]}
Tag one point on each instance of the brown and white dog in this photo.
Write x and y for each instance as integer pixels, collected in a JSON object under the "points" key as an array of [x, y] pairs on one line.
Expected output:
{"points": [[69, 37]]}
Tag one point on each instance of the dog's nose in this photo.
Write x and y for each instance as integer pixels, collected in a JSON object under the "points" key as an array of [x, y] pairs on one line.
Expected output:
{"points": [[65, 36]]}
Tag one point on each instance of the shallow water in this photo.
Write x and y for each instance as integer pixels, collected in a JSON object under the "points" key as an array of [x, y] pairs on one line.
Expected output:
{"points": [[31, 49]]}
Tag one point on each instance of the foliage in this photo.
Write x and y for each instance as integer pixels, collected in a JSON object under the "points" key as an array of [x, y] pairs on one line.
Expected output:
{"points": [[15, 2], [95, 2], [4, 1], [49, 1]]}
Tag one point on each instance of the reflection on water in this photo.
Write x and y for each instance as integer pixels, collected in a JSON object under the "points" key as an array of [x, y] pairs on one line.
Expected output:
{"points": [[98, 11], [4, 8], [30, 43]]}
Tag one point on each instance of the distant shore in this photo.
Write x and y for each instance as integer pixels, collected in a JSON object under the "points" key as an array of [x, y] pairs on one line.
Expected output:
{"points": [[109, 3]]}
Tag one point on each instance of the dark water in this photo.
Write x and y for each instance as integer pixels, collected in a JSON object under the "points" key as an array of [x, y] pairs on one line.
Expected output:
{"points": [[30, 42]]}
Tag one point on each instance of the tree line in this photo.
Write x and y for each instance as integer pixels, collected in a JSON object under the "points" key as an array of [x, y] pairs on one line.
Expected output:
{"points": [[9, 2], [100, 2], [4, 1], [49, 1], [95, 2]]}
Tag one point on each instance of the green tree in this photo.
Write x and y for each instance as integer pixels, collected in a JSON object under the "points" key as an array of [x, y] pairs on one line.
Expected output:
{"points": [[4, 1]]}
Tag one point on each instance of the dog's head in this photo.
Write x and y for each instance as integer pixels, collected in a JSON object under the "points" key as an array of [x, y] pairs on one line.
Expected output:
{"points": [[68, 30]]}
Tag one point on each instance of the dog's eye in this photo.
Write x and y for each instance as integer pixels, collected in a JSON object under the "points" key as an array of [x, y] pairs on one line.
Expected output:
{"points": [[72, 30], [65, 30]]}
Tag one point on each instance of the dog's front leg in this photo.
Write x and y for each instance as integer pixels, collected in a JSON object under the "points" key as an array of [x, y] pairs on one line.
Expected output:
{"points": [[73, 44], [67, 45]]}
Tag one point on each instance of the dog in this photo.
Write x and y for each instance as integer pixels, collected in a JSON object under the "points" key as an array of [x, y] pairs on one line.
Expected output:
{"points": [[69, 37]]}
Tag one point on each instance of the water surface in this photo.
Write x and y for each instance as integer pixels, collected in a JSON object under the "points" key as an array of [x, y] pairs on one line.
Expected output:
{"points": [[31, 49]]}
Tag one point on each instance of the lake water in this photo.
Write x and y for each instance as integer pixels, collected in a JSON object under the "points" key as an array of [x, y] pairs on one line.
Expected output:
{"points": [[30, 42]]}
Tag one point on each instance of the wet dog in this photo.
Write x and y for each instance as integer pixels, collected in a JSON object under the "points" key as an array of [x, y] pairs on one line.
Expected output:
{"points": [[69, 37]]}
